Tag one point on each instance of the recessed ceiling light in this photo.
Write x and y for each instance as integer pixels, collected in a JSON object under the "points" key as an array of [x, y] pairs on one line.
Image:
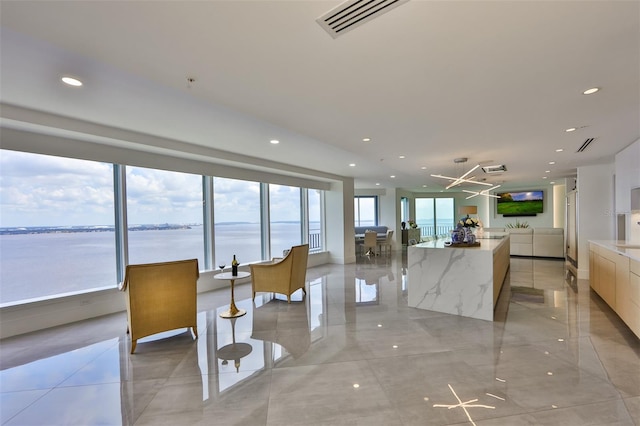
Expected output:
{"points": [[401, 156], [377, 183], [71, 81], [366, 139], [352, 165], [423, 167], [424, 186], [392, 176], [274, 141], [552, 183], [591, 91], [544, 177], [559, 150], [547, 171], [552, 162], [570, 129]]}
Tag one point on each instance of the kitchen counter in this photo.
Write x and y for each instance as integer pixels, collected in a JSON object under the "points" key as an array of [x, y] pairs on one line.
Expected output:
{"points": [[628, 249], [463, 281], [614, 274]]}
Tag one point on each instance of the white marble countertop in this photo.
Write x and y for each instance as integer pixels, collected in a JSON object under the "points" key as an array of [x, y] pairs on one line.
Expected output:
{"points": [[625, 248], [487, 242]]}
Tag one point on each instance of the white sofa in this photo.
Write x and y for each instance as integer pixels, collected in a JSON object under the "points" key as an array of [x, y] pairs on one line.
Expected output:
{"points": [[548, 242], [538, 242]]}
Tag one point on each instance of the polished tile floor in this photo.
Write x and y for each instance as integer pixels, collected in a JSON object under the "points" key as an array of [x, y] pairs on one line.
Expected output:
{"points": [[351, 353]]}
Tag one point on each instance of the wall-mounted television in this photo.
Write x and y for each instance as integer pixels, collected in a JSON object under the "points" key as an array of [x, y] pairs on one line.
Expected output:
{"points": [[520, 203]]}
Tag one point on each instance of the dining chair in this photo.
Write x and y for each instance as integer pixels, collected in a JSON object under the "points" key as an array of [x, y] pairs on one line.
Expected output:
{"points": [[370, 244], [387, 243]]}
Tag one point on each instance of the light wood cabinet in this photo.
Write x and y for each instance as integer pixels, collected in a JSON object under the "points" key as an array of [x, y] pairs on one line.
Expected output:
{"points": [[616, 278], [630, 298]]}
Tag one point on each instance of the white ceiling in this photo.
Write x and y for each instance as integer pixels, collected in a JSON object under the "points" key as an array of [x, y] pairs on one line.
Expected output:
{"points": [[497, 82]]}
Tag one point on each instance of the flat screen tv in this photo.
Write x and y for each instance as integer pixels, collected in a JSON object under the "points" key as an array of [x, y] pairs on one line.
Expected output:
{"points": [[520, 203]]}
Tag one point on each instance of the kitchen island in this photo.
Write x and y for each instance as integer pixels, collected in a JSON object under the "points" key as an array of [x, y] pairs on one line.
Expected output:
{"points": [[462, 281]]}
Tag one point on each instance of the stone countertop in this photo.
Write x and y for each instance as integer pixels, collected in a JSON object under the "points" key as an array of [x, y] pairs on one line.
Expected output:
{"points": [[488, 243], [625, 248]]}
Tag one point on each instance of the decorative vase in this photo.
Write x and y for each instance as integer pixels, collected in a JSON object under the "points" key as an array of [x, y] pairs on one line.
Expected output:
{"points": [[469, 236]]}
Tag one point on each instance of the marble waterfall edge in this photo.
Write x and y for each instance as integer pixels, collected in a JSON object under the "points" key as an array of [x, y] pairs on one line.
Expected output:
{"points": [[456, 281]]}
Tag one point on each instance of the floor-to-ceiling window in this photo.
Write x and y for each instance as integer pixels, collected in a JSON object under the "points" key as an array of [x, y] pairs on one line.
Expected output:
{"points": [[56, 226], [164, 211], [365, 210], [404, 209], [315, 216], [445, 216], [434, 216], [237, 220], [58, 232], [285, 218]]}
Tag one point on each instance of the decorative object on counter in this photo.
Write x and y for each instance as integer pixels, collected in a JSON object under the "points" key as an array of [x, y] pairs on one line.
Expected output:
{"points": [[469, 222], [463, 236], [457, 235], [234, 266], [412, 224], [469, 236], [403, 225], [518, 224]]}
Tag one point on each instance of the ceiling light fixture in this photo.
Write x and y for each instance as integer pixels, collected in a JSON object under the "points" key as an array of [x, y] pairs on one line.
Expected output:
{"points": [[71, 81], [570, 129], [366, 139], [559, 150], [392, 176], [352, 165], [591, 91], [274, 141], [552, 162], [484, 192], [462, 179], [401, 156]]}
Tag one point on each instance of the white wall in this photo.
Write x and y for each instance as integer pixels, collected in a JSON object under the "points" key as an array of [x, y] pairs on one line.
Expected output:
{"points": [[596, 218], [541, 220], [339, 216]]}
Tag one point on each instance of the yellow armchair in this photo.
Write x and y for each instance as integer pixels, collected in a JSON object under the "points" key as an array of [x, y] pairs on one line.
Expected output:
{"points": [[285, 276], [160, 297]]}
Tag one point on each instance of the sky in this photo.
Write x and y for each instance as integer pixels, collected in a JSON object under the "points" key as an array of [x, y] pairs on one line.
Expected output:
{"points": [[526, 196], [41, 190]]}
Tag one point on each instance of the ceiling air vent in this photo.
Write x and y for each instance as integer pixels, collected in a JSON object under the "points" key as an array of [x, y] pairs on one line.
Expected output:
{"points": [[585, 144], [353, 13], [500, 168]]}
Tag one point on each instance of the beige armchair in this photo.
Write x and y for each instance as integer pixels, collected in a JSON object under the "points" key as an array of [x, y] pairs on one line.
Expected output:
{"points": [[284, 276], [160, 297]]}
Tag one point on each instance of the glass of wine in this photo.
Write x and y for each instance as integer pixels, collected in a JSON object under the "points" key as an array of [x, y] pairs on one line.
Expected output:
{"points": [[221, 265]]}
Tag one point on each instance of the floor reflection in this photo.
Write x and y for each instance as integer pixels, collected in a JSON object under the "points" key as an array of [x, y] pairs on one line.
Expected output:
{"points": [[350, 352]]}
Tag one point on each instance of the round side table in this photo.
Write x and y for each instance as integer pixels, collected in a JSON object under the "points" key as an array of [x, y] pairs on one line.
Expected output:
{"points": [[233, 311]]}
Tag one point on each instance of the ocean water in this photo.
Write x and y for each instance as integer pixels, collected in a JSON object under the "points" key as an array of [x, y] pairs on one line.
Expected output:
{"points": [[40, 265]]}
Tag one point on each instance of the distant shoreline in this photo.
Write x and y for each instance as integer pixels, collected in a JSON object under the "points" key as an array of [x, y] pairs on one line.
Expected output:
{"points": [[75, 229], [30, 230]]}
